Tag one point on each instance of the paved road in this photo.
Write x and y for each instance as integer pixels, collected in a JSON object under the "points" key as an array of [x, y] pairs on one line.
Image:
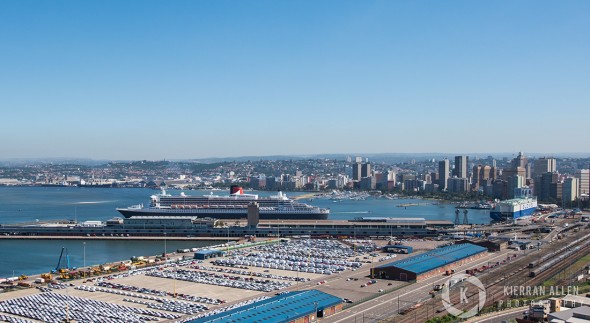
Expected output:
{"points": [[387, 305]]}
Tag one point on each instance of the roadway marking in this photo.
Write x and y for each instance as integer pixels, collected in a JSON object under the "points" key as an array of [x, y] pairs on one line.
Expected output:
{"points": [[414, 290]]}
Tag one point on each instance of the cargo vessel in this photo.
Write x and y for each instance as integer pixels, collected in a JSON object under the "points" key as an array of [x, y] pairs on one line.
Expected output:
{"points": [[233, 206], [513, 208]]}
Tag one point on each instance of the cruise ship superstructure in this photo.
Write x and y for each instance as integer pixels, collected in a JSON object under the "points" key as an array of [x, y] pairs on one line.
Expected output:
{"points": [[233, 206]]}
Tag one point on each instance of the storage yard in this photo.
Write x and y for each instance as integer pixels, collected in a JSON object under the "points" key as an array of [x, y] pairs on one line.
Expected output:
{"points": [[249, 279], [181, 289]]}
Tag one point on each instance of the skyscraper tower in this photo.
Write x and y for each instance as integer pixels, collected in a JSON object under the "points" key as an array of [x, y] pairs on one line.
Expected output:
{"points": [[544, 165], [584, 180], [365, 170], [522, 161], [443, 174], [541, 166], [460, 169], [360, 169], [356, 171]]}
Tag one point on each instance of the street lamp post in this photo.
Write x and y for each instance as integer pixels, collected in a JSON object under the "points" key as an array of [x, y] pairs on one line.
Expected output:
{"points": [[84, 245], [372, 268]]}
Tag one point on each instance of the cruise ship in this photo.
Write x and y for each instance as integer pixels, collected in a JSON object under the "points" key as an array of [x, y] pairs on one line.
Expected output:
{"points": [[513, 208], [234, 206]]}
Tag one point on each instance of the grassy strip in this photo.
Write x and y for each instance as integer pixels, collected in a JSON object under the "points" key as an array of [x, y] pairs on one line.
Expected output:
{"points": [[576, 266]]}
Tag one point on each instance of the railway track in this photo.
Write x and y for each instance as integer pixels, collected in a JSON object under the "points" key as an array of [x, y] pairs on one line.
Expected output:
{"points": [[515, 273]]}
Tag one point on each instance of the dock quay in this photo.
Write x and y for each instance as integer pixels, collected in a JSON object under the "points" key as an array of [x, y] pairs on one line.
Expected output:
{"points": [[169, 238], [246, 275], [215, 229]]}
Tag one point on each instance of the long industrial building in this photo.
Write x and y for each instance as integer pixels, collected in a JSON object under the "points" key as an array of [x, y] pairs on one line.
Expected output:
{"points": [[196, 227], [431, 263], [298, 307]]}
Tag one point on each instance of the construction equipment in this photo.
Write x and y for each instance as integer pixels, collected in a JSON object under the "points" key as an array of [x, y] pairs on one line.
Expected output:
{"points": [[24, 284], [59, 268], [74, 274], [47, 277], [139, 264], [23, 277]]}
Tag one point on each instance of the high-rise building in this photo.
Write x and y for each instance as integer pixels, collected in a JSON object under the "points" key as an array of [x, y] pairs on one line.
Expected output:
{"points": [[434, 178], [365, 170], [460, 169], [410, 185], [458, 185], [405, 179], [583, 176], [570, 189], [481, 175], [499, 189], [443, 174], [360, 169], [514, 178], [522, 161], [388, 180], [273, 183], [389, 176], [544, 165], [356, 170], [543, 186], [368, 183], [515, 184], [556, 192]]}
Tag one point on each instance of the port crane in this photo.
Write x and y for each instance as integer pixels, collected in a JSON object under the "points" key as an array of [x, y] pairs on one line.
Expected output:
{"points": [[59, 268]]}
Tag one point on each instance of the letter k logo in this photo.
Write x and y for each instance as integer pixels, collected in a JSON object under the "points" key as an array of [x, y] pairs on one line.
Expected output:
{"points": [[464, 295]]}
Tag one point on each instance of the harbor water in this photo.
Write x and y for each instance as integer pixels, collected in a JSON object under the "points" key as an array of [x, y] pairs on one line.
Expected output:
{"points": [[38, 204]]}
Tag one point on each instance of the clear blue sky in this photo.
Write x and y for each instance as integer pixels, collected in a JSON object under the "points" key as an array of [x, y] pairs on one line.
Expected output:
{"points": [[190, 79]]}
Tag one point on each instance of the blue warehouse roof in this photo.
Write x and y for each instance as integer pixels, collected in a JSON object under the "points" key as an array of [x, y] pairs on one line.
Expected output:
{"points": [[282, 308], [436, 258]]}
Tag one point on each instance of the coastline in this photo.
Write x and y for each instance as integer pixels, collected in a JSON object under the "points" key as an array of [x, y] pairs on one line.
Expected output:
{"points": [[167, 238]]}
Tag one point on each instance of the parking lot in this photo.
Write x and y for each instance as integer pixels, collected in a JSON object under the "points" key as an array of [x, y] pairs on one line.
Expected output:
{"points": [[244, 275]]}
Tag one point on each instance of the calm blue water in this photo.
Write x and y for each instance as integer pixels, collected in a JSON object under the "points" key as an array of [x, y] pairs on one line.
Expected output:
{"points": [[27, 204], [34, 257]]}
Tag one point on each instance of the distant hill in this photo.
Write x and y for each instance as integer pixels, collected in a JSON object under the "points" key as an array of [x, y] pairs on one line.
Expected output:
{"points": [[373, 157], [60, 161]]}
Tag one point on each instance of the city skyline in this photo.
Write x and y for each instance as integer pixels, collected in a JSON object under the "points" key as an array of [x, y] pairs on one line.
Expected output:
{"points": [[191, 80]]}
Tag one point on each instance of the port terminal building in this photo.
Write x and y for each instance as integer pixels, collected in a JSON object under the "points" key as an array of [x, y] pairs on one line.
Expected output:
{"points": [[431, 263], [154, 226], [297, 307]]}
